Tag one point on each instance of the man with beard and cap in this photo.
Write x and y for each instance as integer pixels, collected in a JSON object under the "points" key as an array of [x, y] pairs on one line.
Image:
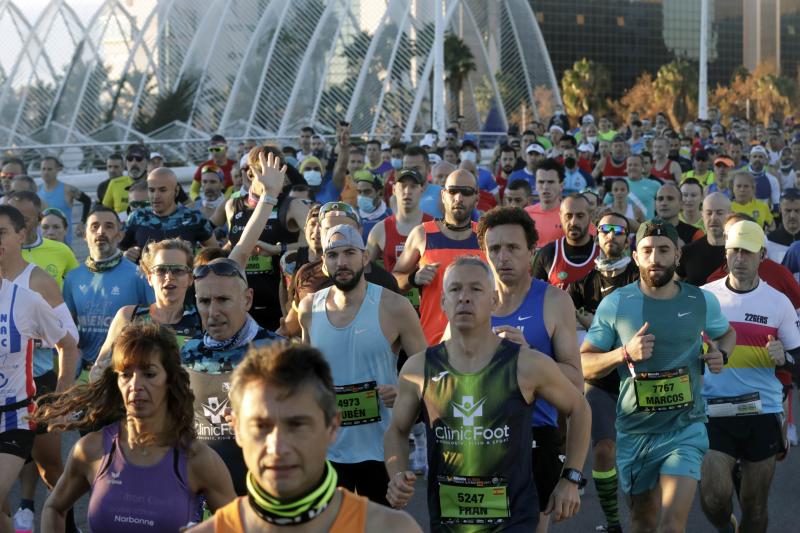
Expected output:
{"points": [[530, 312], [116, 194], [571, 257], [703, 256], [359, 327], [613, 269], [433, 245], [655, 328]]}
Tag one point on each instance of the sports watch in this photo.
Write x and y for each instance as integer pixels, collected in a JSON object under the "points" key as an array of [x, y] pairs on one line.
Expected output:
{"points": [[574, 476]]}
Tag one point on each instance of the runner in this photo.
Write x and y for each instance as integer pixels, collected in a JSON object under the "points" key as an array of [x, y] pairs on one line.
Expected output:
{"points": [[788, 230], [223, 299], [218, 156], [105, 282], [480, 476], [359, 327], [167, 266], [533, 314], [24, 317], [691, 202], [655, 327], [61, 196], [47, 446], [701, 257], [613, 269], [145, 468], [116, 195], [668, 207], [371, 207], [164, 218], [53, 257], [744, 401], [571, 257], [664, 169], [285, 418], [432, 246], [546, 213]]}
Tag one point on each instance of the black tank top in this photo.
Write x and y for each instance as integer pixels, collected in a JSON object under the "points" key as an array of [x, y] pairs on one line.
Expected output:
{"points": [[187, 327], [263, 272]]}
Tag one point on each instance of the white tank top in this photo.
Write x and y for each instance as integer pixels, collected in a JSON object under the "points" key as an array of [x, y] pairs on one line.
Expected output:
{"points": [[23, 279]]}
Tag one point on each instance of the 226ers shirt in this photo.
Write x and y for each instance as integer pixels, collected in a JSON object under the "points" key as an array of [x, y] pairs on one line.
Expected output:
{"points": [[24, 316]]}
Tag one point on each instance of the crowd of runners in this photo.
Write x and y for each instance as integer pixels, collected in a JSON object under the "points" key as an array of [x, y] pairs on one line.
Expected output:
{"points": [[297, 339]]}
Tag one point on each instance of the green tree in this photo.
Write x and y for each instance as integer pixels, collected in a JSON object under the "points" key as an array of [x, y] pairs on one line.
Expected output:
{"points": [[585, 88], [170, 106], [458, 64], [675, 87]]}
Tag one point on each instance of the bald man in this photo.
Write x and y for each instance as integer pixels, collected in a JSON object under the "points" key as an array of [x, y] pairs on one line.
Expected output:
{"points": [[705, 255], [441, 170], [164, 218]]}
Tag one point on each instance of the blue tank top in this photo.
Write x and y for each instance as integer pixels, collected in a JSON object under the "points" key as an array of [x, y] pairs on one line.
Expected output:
{"points": [[529, 317], [360, 358], [127, 497], [56, 198], [429, 202]]}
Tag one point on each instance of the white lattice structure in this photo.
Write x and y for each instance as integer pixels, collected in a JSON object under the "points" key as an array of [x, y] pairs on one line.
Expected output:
{"points": [[257, 68]]}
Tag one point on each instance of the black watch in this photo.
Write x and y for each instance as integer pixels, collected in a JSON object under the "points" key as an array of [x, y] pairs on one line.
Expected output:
{"points": [[574, 476], [724, 355]]}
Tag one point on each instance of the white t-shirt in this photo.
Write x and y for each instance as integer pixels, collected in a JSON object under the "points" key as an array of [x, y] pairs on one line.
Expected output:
{"points": [[24, 316]]}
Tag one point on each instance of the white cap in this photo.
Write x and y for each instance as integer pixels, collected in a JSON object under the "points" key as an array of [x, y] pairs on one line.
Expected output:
{"points": [[386, 146], [586, 147], [587, 119], [153, 155], [556, 127], [534, 148], [758, 149], [428, 140], [434, 158]]}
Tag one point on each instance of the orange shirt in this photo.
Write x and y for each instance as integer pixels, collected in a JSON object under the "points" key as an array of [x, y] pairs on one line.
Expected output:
{"points": [[352, 516], [443, 250], [548, 223]]}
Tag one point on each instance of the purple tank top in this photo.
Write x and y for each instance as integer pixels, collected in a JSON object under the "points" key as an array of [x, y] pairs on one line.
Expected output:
{"points": [[126, 497]]}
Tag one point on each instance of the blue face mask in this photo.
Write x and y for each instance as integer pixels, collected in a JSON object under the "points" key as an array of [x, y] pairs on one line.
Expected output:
{"points": [[366, 204], [313, 177], [397, 164]]}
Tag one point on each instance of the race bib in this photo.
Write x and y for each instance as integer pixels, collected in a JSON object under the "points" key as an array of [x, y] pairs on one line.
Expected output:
{"points": [[744, 405], [473, 500], [667, 390], [358, 404], [259, 264]]}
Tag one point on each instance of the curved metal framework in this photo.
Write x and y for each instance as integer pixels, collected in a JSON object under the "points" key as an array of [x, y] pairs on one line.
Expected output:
{"points": [[257, 68]]}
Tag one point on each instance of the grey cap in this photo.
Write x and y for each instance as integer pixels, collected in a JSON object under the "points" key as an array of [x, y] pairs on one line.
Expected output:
{"points": [[351, 237]]}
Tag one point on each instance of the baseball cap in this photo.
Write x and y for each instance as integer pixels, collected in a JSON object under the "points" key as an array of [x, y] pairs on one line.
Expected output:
{"points": [[434, 158], [701, 155], [428, 140], [725, 161], [746, 235], [138, 150], [154, 155], [410, 173], [758, 149], [469, 143], [535, 147], [657, 227], [587, 119], [556, 127], [618, 138], [369, 177], [351, 237], [339, 209]]}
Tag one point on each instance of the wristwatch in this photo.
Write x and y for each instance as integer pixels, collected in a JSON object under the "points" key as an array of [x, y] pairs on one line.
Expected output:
{"points": [[574, 476]]}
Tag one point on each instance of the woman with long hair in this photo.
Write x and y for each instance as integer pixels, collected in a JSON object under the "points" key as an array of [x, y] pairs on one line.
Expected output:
{"points": [[167, 266], [144, 467]]}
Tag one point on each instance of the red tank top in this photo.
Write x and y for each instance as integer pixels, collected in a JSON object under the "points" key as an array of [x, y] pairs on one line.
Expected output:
{"points": [[563, 272], [443, 250], [394, 242], [610, 170], [664, 173]]}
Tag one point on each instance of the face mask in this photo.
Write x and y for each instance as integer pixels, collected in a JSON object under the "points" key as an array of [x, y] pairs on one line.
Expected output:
{"points": [[592, 140], [366, 204], [468, 156], [569, 162], [313, 177], [397, 164]]}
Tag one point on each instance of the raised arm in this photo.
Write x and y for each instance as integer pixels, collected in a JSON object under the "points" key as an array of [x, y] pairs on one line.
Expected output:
{"points": [[343, 158]]}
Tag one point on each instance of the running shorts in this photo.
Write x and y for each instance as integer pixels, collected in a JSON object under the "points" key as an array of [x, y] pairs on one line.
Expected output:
{"points": [[752, 438]]}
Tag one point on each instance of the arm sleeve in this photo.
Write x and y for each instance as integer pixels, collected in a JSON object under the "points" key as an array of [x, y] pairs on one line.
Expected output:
{"points": [[602, 332], [87, 206], [716, 323]]}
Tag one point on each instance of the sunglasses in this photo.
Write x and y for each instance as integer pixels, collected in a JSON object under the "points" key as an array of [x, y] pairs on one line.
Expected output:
{"points": [[210, 168], [463, 191], [227, 269], [7, 175], [217, 149], [616, 229], [137, 158], [176, 270], [138, 204]]}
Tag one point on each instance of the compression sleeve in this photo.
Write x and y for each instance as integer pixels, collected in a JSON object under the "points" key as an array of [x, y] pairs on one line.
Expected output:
{"points": [[87, 206]]}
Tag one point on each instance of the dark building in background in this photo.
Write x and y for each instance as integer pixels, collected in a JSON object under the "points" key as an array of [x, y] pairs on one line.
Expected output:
{"points": [[630, 37]]}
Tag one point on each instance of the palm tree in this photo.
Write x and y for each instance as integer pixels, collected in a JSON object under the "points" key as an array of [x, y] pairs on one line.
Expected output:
{"points": [[458, 64], [584, 87], [170, 106]]}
